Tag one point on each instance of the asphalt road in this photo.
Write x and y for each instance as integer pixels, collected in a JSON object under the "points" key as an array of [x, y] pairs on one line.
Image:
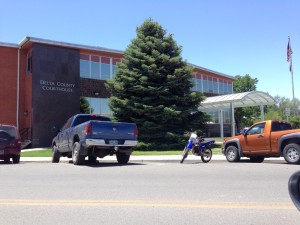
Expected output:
{"points": [[162, 192]]}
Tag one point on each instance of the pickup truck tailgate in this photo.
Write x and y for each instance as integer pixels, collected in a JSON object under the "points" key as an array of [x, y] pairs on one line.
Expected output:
{"points": [[113, 130]]}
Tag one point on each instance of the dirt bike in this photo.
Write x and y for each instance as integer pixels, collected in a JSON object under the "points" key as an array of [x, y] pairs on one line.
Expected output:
{"points": [[199, 147]]}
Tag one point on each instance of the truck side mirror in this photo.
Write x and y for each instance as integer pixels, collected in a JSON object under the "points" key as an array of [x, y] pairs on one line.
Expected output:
{"points": [[294, 188]]}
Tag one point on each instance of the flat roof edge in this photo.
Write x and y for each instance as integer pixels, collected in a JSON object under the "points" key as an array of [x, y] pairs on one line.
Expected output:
{"points": [[212, 71], [4, 44], [66, 44]]}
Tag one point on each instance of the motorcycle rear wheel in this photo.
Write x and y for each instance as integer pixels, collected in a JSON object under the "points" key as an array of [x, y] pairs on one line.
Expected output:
{"points": [[206, 155], [184, 154]]}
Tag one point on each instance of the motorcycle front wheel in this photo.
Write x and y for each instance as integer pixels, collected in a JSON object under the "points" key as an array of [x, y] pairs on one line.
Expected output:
{"points": [[206, 155], [184, 154]]}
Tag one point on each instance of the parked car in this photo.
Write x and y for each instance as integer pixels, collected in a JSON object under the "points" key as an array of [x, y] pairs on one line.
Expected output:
{"points": [[92, 136], [264, 139], [10, 143]]}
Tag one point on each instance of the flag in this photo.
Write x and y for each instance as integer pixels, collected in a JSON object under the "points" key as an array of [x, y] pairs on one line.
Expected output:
{"points": [[289, 51]]}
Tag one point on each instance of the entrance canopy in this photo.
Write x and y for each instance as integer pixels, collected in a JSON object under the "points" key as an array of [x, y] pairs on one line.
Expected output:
{"points": [[245, 99]]}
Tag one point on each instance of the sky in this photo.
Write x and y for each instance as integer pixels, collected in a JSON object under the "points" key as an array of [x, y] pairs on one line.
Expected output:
{"points": [[234, 37]]}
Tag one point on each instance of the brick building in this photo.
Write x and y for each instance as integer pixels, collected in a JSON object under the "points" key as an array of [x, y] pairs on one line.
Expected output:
{"points": [[42, 81]]}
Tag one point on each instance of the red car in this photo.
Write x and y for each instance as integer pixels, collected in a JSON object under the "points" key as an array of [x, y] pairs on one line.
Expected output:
{"points": [[10, 143]]}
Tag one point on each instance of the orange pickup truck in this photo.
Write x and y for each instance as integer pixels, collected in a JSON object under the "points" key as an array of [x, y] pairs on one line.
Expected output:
{"points": [[264, 139]]}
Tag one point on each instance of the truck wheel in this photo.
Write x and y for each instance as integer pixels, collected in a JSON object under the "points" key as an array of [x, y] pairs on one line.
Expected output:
{"points": [[16, 159], [77, 158], [291, 153], [122, 158], [232, 154], [55, 154]]}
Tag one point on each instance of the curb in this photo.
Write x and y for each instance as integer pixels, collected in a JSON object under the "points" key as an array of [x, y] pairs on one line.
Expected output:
{"points": [[167, 158]]}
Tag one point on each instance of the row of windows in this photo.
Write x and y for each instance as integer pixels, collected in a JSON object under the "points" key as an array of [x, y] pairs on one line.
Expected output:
{"points": [[97, 67], [103, 68], [99, 106], [212, 85]]}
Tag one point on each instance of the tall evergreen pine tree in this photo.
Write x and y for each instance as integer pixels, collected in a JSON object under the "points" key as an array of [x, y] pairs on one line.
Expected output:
{"points": [[152, 87]]}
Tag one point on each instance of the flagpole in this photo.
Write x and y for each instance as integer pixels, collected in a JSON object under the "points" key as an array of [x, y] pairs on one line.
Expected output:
{"points": [[292, 75], [289, 59]]}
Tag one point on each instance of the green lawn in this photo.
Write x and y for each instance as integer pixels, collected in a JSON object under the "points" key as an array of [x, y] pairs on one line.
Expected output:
{"points": [[48, 153]]}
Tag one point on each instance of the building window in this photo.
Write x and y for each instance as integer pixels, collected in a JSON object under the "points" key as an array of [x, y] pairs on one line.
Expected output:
{"points": [[105, 68], [221, 86], [211, 85], [230, 87], [215, 86], [97, 67], [197, 81], [29, 63], [215, 115], [205, 84], [85, 66], [114, 65], [99, 106]]}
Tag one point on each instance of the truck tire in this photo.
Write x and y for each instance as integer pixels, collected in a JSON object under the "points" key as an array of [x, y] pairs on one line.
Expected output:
{"points": [[77, 158], [16, 159], [122, 158], [232, 154], [291, 153], [55, 154]]}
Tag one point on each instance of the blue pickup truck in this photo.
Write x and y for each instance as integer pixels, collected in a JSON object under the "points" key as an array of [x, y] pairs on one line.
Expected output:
{"points": [[92, 136]]}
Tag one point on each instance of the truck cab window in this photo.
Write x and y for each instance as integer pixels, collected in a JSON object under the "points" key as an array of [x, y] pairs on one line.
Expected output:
{"points": [[278, 126], [257, 129]]}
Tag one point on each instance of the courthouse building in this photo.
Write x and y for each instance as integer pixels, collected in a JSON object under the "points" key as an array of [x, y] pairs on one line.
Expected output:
{"points": [[42, 82]]}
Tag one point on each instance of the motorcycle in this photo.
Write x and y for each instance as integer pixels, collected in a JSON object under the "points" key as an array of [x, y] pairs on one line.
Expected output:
{"points": [[199, 147]]}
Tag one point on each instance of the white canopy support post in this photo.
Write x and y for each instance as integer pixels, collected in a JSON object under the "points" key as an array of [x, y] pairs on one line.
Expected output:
{"points": [[221, 124], [232, 119], [262, 113]]}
